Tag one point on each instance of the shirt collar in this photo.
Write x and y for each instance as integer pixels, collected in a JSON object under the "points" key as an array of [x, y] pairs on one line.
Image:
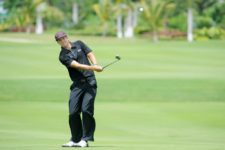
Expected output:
{"points": [[72, 44]]}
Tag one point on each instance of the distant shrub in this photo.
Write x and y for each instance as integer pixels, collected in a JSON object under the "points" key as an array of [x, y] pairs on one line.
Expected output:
{"points": [[178, 22], [53, 17], [4, 27], [209, 33], [204, 22]]}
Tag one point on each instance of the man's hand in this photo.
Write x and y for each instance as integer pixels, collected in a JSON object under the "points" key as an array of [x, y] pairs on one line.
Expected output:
{"points": [[97, 68]]}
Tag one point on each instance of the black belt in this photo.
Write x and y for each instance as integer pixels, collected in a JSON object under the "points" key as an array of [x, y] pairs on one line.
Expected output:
{"points": [[82, 80], [88, 79], [91, 80]]}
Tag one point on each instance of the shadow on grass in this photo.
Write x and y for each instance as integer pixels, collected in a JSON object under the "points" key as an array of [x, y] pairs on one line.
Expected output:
{"points": [[103, 146]]}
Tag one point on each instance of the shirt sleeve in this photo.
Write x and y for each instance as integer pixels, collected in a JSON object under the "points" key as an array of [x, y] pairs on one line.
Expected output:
{"points": [[84, 47], [66, 60]]}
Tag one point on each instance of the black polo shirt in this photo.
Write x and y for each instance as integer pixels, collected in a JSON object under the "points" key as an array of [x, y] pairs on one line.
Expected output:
{"points": [[78, 53]]}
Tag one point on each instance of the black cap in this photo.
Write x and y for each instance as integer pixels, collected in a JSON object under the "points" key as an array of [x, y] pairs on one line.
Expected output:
{"points": [[59, 35]]}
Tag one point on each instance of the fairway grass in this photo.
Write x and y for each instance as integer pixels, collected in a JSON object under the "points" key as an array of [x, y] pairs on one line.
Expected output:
{"points": [[161, 96], [117, 90], [120, 126]]}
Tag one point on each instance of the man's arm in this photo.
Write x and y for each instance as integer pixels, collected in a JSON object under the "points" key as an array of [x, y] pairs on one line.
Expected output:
{"points": [[92, 58], [75, 64]]}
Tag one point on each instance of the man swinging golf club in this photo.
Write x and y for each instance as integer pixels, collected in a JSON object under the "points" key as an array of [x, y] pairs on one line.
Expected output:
{"points": [[75, 56]]}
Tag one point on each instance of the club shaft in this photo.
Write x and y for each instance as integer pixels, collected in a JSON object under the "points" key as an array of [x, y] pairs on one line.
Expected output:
{"points": [[110, 64]]}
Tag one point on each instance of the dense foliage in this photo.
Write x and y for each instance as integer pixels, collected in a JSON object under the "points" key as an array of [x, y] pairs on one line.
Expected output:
{"points": [[124, 18]]}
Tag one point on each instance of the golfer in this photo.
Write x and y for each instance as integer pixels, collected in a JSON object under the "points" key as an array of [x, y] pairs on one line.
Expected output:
{"points": [[75, 56]]}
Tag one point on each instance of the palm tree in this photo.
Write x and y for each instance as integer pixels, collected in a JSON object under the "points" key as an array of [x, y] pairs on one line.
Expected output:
{"points": [[155, 11], [25, 14], [189, 6], [47, 14], [39, 23], [126, 17], [130, 20], [119, 9], [104, 12], [22, 13]]}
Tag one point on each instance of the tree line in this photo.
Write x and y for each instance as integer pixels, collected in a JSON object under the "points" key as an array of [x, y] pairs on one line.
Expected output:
{"points": [[199, 19]]}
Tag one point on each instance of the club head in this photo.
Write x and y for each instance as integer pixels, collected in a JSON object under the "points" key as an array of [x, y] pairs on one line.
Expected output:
{"points": [[118, 57]]}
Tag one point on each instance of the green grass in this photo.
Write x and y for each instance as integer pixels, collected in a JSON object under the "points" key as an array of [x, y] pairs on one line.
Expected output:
{"points": [[158, 126], [168, 95]]}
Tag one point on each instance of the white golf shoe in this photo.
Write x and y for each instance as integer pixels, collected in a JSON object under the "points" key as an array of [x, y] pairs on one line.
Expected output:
{"points": [[82, 143], [70, 144]]}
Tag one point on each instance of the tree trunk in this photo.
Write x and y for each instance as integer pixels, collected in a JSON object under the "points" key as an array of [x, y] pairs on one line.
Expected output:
{"points": [[39, 24], [155, 36], [39, 21], [75, 13], [129, 29], [28, 28], [105, 29], [190, 25], [119, 27]]}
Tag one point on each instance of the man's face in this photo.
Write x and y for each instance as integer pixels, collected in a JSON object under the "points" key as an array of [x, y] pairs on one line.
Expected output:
{"points": [[64, 41]]}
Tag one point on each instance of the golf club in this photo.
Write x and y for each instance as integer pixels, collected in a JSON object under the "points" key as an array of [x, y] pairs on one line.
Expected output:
{"points": [[117, 59]]}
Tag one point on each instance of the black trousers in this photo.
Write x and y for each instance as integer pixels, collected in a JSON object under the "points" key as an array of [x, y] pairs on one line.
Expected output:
{"points": [[81, 100]]}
